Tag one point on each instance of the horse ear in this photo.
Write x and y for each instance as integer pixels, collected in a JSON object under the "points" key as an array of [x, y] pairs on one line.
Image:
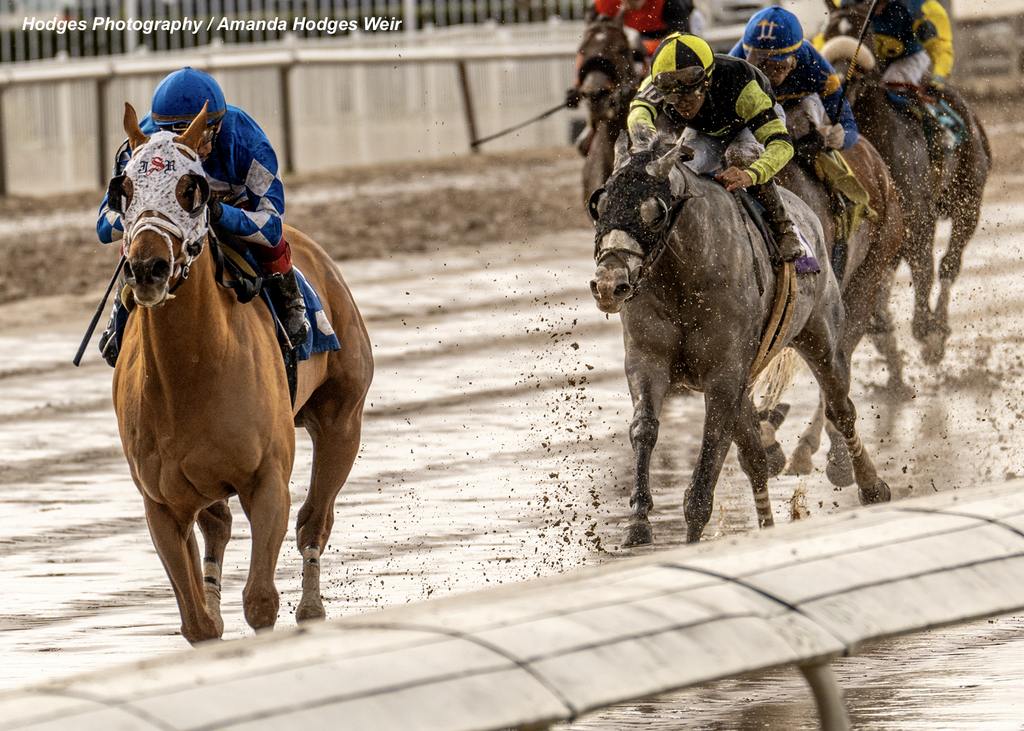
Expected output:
{"points": [[136, 137], [661, 167], [193, 136], [621, 149]]}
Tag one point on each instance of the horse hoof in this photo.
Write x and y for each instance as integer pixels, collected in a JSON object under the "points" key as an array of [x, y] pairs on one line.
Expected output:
{"points": [[839, 473], [934, 348], [693, 536], [639, 534], [776, 459], [898, 392], [311, 609], [878, 493], [800, 463]]}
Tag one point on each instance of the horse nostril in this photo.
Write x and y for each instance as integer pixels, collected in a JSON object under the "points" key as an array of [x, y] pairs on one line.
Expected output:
{"points": [[593, 287], [128, 273], [622, 290], [161, 269]]}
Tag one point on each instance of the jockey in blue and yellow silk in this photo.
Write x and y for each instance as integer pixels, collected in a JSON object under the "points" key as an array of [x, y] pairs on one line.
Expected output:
{"points": [[774, 42], [247, 206], [912, 38]]}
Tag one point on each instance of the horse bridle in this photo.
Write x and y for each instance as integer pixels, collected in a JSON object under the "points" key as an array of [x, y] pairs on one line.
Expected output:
{"points": [[166, 229], [669, 213]]}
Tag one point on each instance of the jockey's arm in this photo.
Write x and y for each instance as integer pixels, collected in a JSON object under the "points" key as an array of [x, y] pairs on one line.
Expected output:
{"points": [[757, 109], [260, 223], [643, 111], [108, 225], [838, 109], [936, 34]]}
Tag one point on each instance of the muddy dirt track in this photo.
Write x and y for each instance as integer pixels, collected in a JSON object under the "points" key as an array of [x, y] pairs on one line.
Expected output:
{"points": [[495, 445]]}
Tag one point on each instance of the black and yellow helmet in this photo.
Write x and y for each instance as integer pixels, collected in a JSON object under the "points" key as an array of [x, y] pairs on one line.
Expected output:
{"points": [[682, 63]]}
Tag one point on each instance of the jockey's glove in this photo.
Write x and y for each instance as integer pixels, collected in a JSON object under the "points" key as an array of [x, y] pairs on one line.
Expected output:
{"points": [[834, 136], [572, 97], [216, 208], [808, 147]]}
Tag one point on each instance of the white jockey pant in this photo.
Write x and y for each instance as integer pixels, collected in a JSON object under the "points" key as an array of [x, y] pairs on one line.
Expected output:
{"points": [[909, 70]]}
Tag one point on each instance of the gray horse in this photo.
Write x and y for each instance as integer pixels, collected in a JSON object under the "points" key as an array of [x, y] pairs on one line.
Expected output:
{"points": [[676, 257]]}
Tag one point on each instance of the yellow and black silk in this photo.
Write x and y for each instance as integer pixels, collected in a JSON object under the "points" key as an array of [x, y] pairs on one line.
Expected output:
{"points": [[738, 96]]}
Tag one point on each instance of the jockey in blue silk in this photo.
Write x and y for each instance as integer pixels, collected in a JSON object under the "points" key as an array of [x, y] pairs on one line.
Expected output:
{"points": [[247, 203], [774, 42], [912, 38]]}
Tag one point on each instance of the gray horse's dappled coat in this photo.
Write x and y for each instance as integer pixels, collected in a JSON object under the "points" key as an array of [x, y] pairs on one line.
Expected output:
{"points": [[693, 317]]}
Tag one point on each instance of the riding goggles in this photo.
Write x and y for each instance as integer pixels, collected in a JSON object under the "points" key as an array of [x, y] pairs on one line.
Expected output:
{"points": [[675, 85]]}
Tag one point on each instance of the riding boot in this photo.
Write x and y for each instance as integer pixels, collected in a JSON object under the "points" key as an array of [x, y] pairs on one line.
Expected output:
{"points": [[782, 225], [110, 337], [289, 304]]}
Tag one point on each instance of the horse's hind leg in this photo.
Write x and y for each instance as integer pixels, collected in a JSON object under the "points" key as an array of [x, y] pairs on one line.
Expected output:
{"points": [[215, 524], [335, 445], [800, 462], [753, 460], [921, 259], [175, 542], [266, 505], [965, 222], [832, 370]]}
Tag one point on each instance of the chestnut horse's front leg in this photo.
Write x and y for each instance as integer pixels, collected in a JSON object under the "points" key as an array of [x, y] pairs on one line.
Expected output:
{"points": [[175, 541], [266, 504]]}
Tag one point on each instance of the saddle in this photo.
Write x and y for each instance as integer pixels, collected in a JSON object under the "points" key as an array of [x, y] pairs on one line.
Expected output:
{"points": [[943, 125]]}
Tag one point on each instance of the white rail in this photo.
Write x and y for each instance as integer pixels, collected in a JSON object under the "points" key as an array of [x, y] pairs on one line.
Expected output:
{"points": [[533, 654], [323, 106]]}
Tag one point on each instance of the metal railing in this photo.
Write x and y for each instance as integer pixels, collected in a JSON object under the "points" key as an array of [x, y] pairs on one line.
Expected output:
{"points": [[534, 654], [31, 31], [322, 106]]}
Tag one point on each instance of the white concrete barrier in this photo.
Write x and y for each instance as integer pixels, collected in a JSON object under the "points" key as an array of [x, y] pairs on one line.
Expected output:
{"points": [[532, 654]]}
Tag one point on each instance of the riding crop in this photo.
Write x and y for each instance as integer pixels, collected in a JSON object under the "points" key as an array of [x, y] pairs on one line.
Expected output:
{"points": [[99, 311]]}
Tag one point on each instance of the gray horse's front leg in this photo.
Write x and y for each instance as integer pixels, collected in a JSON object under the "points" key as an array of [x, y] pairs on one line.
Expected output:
{"points": [[648, 385], [721, 406]]}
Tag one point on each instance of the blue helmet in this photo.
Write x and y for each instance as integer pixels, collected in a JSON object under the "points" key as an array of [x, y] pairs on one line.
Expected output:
{"points": [[773, 29], [181, 95]]}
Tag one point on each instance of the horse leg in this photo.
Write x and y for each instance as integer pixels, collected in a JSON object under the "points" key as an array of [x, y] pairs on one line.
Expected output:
{"points": [[753, 459], [832, 370], [922, 271], [175, 542], [883, 337], [648, 384], [266, 505], [800, 462], [335, 445], [965, 222], [215, 524], [721, 404], [838, 467]]}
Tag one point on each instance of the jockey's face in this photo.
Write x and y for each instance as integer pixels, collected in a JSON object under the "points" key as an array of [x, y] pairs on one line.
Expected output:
{"points": [[206, 145], [776, 71], [689, 104]]}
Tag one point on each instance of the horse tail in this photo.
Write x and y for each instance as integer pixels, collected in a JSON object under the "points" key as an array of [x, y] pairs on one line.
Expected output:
{"points": [[772, 382]]}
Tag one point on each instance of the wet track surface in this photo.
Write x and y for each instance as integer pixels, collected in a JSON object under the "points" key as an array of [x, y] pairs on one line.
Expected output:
{"points": [[495, 449]]}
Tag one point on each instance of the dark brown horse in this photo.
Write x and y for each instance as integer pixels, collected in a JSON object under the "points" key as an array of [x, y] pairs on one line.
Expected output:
{"points": [[202, 399], [931, 187], [608, 80], [675, 256], [872, 256]]}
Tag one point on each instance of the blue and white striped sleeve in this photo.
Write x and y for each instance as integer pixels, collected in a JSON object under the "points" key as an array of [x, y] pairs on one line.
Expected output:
{"points": [[262, 223], [108, 225]]}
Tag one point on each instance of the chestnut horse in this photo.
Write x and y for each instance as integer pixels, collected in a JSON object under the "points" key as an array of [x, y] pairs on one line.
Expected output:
{"points": [[202, 399]]}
